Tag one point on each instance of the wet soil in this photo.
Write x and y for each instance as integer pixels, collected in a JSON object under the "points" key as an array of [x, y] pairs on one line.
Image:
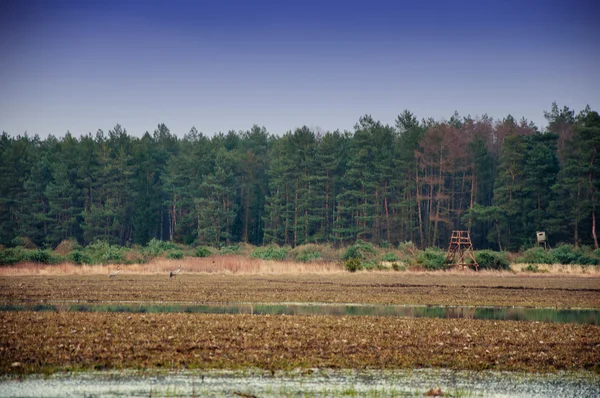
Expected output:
{"points": [[373, 288], [37, 342]]}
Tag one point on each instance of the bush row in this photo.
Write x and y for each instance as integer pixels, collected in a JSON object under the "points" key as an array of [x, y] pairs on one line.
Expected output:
{"points": [[361, 255], [563, 254], [430, 259]]}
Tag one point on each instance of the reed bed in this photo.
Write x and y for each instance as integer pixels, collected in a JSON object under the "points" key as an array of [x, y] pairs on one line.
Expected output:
{"points": [[242, 265], [208, 265]]}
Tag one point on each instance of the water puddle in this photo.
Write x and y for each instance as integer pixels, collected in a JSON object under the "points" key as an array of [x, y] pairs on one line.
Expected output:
{"points": [[313, 382], [581, 316]]}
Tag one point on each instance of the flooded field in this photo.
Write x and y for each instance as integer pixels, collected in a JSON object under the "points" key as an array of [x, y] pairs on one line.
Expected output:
{"points": [[582, 316], [299, 335], [312, 382]]}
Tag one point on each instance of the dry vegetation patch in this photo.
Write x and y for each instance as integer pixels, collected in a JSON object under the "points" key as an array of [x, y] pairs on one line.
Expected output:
{"points": [[45, 342], [226, 264]]}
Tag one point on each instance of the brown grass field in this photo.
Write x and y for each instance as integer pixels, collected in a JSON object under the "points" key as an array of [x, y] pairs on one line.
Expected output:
{"points": [[437, 288], [47, 342]]}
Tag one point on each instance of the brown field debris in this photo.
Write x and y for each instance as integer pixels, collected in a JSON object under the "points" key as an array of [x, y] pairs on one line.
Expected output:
{"points": [[47, 342], [373, 288]]}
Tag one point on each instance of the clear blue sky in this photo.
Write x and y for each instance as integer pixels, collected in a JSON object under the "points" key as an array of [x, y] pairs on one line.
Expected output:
{"points": [[225, 65]]}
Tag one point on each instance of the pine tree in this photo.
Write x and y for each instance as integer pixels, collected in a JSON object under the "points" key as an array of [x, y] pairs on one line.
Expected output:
{"points": [[216, 206], [253, 166]]}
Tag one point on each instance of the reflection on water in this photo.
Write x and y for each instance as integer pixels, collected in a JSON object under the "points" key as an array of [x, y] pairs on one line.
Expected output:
{"points": [[312, 382], [590, 317]]}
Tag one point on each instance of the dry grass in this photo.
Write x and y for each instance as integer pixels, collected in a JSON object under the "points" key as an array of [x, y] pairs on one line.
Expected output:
{"points": [[242, 265], [558, 269], [48, 342], [65, 247], [216, 264]]}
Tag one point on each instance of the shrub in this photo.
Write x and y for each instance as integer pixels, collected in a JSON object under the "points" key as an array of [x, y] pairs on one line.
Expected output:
{"points": [[597, 252], [202, 251], [567, 254], [11, 256], [308, 256], [43, 257], [175, 255], [157, 247], [532, 268], [353, 264], [24, 242], [588, 260], [384, 244], [233, 249], [537, 255], [407, 248], [104, 253], [270, 253], [398, 267], [79, 257], [370, 265], [432, 258], [361, 250], [489, 259], [389, 257]]}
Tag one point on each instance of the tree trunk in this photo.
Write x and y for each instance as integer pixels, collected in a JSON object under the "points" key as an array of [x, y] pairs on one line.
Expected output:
{"points": [[246, 216], [594, 227], [287, 216], [472, 201], [387, 219], [306, 216], [418, 197], [327, 207], [376, 232], [439, 201], [498, 231], [577, 208], [296, 217]]}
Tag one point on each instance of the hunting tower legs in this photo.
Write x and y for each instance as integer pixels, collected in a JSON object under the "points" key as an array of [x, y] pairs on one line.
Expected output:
{"points": [[460, 244]]}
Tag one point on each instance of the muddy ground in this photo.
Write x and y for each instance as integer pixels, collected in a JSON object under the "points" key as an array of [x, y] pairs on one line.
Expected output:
{"points": [[373, 288], [47, 342]]}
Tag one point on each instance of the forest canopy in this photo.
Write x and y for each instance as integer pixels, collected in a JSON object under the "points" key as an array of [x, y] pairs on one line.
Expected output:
{"points": [[414, 181]]}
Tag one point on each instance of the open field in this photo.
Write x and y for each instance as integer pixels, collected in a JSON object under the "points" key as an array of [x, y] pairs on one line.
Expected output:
{"points": [[438, 288], [46, 342]]}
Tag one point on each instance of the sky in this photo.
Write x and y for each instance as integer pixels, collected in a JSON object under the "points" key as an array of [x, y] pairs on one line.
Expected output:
{"points": [[223, 65]]}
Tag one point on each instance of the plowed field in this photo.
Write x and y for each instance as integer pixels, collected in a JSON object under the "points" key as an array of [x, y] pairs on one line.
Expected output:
{"points": [[374, 288], [45, 342]]}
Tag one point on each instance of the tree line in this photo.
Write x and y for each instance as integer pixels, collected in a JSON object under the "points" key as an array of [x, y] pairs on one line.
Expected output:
{"points": [[414, 181]]}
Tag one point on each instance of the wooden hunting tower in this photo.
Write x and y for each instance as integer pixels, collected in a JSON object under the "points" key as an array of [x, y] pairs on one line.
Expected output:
{"points": [[541, 239], [460, 246]]}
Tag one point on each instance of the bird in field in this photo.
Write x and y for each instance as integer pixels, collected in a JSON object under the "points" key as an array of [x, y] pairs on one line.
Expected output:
{"points": [[113, 274], [175, 272]]}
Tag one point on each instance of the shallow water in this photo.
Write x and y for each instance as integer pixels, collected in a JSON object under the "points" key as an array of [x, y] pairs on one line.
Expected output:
{"points": [[307, 383], [581, 316]]}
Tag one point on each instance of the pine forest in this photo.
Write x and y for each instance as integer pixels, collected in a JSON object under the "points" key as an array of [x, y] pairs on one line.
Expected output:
{"points": [[417, 181]]}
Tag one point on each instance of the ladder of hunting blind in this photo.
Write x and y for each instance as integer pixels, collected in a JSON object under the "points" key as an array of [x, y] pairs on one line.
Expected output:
{"points": [[460, 244]]}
